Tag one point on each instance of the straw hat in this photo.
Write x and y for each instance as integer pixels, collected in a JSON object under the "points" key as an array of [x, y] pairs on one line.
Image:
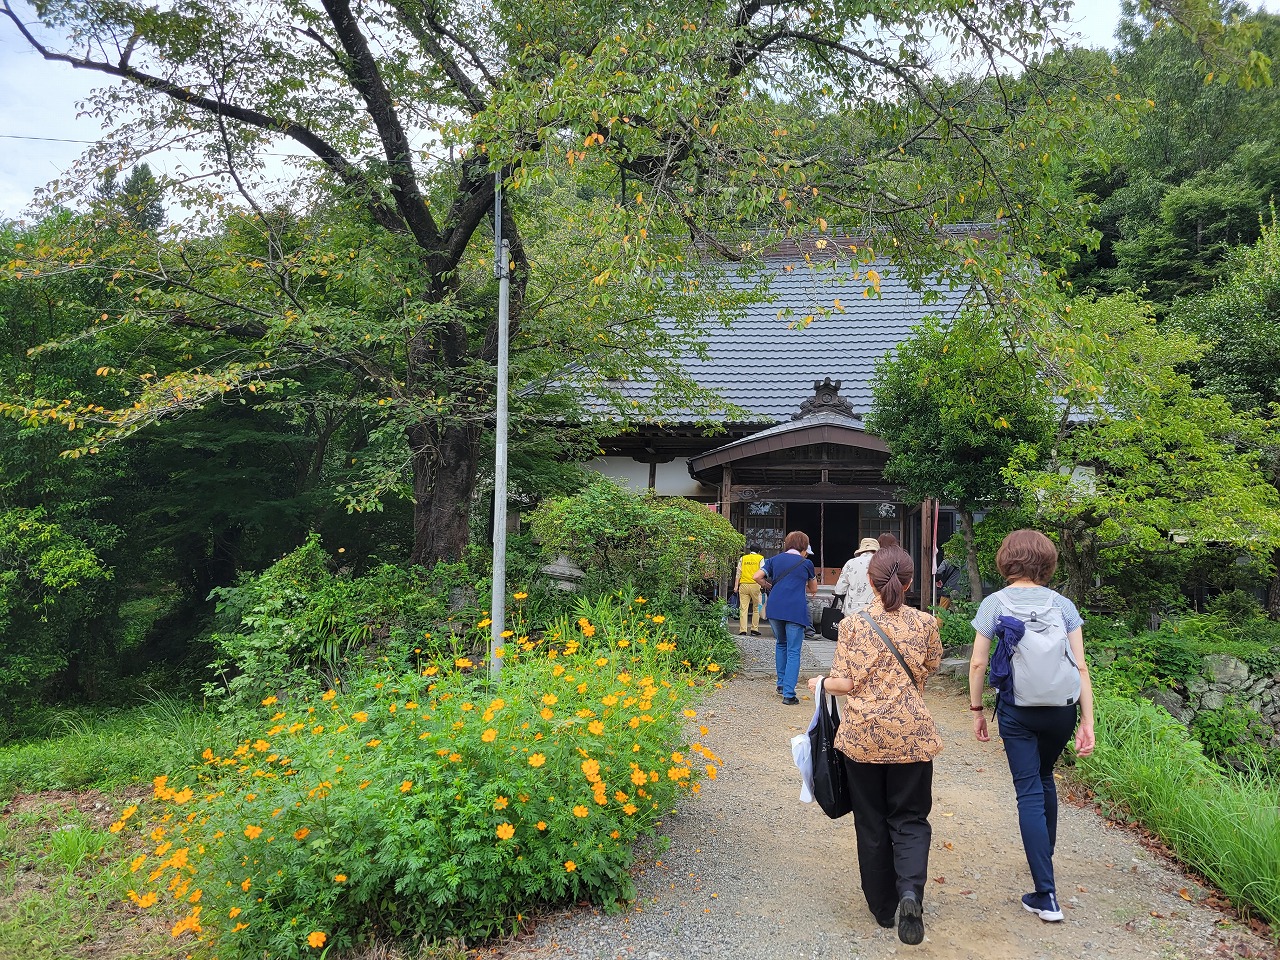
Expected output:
{"points": [[868, 545]]}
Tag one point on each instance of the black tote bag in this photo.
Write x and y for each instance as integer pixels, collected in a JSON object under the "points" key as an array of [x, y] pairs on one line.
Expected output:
{"points": [[832, 614], [830, 788]]}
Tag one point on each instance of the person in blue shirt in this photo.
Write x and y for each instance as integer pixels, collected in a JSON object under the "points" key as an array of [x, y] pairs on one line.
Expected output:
{"points": [[790, 579]]}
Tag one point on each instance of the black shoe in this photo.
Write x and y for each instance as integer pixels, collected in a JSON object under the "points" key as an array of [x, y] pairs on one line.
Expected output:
{"points": [[885, 921], [755, 633], [742, 633], [910, 920], [790, 701]]}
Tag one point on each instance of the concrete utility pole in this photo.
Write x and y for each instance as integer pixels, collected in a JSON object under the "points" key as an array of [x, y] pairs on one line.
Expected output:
{"points": [[498, 599]]}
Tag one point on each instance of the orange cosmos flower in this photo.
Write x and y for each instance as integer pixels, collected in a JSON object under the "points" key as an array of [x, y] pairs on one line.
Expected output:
{"points": [[537, 760], [252, 831], [580, 811], [301, 833], [489, 735], [406, 786], [506, 831], [570, 866], [316, 939], [340, 878]]}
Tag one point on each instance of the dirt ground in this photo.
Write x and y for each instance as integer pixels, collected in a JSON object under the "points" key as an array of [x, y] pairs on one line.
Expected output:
{"points": [[753, 872]]}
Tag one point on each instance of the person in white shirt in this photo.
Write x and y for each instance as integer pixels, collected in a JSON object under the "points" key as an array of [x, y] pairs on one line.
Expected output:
{"points": [[853, 586]]}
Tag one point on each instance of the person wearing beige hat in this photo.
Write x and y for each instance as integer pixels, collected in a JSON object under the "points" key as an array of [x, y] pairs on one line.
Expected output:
{"points": [[853, 585]]}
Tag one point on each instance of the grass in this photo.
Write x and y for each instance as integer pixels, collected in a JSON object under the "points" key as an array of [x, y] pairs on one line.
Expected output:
{"points": [[113, 750], [1226, 826], [62, 887]]}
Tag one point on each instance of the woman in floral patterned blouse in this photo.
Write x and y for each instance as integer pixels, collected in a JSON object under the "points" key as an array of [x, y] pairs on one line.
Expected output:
{"points": [[889, 741]]}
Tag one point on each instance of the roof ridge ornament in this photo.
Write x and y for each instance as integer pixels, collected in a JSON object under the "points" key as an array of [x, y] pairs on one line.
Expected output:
{"points": [[826, 399]]}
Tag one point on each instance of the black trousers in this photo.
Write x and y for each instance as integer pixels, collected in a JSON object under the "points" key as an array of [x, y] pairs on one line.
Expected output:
{"points": [[891, 805]]}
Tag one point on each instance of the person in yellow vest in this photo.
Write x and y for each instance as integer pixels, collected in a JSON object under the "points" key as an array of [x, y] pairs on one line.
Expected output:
{"points": [[748, 590]]}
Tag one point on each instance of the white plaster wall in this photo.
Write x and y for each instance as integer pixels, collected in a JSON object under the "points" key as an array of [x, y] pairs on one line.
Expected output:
{"points": [[671, 479]]}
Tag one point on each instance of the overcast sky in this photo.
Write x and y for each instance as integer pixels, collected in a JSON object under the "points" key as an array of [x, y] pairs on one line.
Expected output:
{"points": [[38, 108]]}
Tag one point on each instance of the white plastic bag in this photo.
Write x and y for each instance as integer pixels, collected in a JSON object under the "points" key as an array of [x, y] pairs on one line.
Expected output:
{"points": [[802, 752]]}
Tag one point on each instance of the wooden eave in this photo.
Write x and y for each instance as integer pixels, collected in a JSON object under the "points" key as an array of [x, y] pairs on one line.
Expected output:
{"points": [[803, 435]]}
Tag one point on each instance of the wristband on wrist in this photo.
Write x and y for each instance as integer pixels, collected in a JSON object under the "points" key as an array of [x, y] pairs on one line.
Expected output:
{"points": [[977, 709]]}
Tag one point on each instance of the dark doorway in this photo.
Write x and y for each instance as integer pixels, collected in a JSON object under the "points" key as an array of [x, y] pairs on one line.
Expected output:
{"points": [[839, 533], [806, 517]]}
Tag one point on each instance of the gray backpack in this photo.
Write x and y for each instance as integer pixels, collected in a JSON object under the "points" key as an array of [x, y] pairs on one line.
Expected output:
{"points": [[1044, 670]]}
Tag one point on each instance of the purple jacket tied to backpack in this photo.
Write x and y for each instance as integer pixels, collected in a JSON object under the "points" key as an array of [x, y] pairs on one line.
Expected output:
{"points": [[1033, 665]]}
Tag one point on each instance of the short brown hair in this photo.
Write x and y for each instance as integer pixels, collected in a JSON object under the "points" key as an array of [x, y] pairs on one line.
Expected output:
{"points": [[888, 540], [1027, 554], [796, 540]]}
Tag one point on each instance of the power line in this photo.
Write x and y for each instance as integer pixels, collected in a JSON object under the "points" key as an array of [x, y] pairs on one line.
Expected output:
{"points": [[14, 136]]}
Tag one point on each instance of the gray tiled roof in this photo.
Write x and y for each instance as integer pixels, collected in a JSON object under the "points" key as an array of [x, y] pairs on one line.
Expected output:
{"points": [[760, 364]]}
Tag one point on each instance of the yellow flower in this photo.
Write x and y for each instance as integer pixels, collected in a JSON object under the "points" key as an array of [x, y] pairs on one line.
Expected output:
{"points": [[239, 926], [489, 735], [360, 717], [588, 631], [602, 661], [506, 831], [463, 662], [570, 866], [269, 701], [252, 831], [116, 827], [233, 913], [246, 884], [148, 899], [713, 668], [641, 600], [541, 824], [580, 811], [486, 622], [659, 618], [406, 786], [301, 833], [629, 809], [550, 699], [340, 878], [501, 803], [711, 771], [537, 760], [596, 727], [374, 743], [547, 713], [519, 596], [328, 695], [316, 939]]}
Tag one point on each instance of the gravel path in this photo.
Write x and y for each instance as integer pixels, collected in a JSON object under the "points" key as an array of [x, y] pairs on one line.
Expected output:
{"points": [[753, 874]]}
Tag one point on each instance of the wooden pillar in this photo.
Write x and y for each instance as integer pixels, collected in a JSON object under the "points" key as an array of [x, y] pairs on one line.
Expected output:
{"points": [[726, 508]]}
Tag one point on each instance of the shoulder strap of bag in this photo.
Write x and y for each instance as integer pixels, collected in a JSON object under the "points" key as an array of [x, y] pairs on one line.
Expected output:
{"points": [[794, 566], [889, 643]]}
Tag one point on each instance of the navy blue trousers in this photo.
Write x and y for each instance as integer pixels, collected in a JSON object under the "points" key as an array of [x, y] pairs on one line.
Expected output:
{"points": [[1034, 738]]}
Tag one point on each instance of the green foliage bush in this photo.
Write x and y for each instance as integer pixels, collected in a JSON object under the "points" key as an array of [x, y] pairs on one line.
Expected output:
{"points": [[437, 800], [955, 625], [1226, 826], [663, 545], [299, 623]]}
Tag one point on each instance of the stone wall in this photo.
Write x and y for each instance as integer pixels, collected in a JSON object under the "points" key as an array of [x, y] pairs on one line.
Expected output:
{"points": [[1225, 677]]}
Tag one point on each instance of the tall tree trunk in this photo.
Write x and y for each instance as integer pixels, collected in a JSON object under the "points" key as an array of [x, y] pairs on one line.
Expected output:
{"points": [[971, 555], [1077, 555], [445, 462]]}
